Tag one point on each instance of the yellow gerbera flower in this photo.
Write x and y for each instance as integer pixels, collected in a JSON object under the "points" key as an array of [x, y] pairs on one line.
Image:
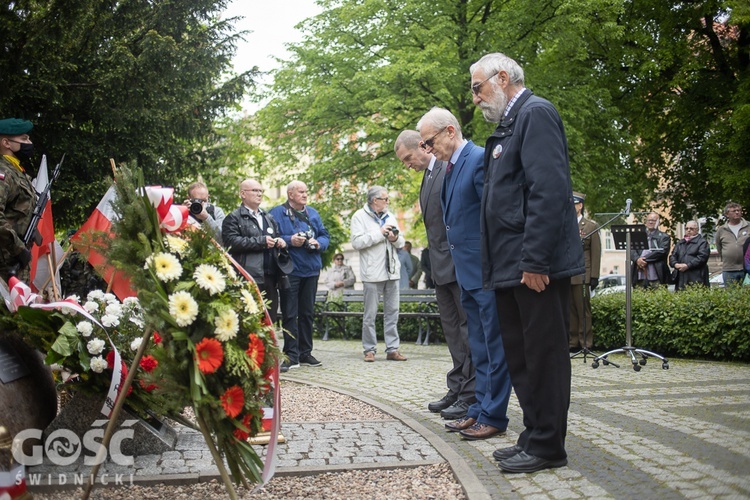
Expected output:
{"points": [[183, 308], [209, 278], [227, 325], [167, 267]]}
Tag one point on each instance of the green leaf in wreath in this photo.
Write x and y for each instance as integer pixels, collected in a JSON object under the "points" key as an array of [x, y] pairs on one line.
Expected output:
{"points": [[67, 342]]}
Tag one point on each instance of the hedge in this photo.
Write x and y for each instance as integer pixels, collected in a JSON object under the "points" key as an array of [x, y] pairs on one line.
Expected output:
{"points": [[704, 323]]}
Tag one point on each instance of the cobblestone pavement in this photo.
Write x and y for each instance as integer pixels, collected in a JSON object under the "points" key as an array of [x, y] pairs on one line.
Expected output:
{"points": [[677, 433]]}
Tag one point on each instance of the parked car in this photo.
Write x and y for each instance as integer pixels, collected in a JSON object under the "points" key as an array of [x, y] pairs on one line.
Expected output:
{"points": [[610, 283], [716, 279]]}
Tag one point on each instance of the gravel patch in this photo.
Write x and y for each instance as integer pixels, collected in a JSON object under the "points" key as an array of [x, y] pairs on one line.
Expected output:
{"points": [[302, 403]]}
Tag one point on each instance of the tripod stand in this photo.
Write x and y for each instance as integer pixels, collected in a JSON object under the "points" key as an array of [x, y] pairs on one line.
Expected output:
{"points": [[630, 237]]}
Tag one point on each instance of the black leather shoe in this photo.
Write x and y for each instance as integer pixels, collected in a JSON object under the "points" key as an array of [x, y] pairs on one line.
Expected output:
{"points": [[525, 463], [445, 402], [454, 411], [505, 453]]}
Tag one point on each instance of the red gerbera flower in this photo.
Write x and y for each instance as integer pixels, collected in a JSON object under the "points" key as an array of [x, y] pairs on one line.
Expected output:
{"points": [[256, 351], [239, 433], [148, 363], [156, 338], [233, 400], [209, 354]]}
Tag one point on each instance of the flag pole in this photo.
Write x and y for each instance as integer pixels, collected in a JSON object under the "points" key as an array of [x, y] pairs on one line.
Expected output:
{"points": [[53, 274]]}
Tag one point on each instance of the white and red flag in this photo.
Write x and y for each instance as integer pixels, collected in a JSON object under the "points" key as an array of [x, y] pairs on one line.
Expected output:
{"points": [[40, 264], [101, 221]]}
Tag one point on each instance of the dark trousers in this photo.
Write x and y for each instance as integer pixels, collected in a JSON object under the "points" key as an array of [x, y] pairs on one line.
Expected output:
{"points": [[534, 327], [297, 308], [580, 317], [492, 381], [270, 287], [460, 378]]}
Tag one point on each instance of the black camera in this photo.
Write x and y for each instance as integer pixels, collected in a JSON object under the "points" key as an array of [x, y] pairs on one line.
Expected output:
{"points": [[310, 247], [196, 206], [393, 230]]}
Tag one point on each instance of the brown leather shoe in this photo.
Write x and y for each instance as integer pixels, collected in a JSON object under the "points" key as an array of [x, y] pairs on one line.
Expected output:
{"points": [[370, 357], [395, 356], [460, 424], [480, 431]]}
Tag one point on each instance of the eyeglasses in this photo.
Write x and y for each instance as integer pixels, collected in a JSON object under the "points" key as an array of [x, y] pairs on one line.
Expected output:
{"points": [[430, 143], [478, 86], [382, 199], [691, 229], [339, 258], [652, 220]]}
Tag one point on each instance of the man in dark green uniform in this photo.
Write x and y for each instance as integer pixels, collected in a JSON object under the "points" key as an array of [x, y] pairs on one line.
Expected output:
{"points": [[17, 197]]}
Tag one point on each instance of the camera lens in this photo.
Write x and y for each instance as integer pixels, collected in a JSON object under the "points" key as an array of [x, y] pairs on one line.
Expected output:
{"points": [[196, 207]]}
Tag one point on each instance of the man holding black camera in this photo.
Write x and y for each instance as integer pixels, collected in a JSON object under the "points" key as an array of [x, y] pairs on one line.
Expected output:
{"points": [[375, 234], [208, 215], [252, 237], [302, 229]]}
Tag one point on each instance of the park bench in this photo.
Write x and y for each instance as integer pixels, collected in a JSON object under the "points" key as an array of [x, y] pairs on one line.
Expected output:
{"points": [[335, 313]]}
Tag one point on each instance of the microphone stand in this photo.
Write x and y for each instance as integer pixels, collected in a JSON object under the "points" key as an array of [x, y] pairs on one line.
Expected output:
{"points": [[585, 351]]}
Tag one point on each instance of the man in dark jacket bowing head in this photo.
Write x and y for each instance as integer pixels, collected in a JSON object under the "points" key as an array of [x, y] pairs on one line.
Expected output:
{"points": [[530, 249]]}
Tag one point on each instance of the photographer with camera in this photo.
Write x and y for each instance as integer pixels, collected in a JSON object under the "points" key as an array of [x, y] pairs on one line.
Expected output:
{"points": [[253, 240], [375, 234], [302, 229], [208, 215]]}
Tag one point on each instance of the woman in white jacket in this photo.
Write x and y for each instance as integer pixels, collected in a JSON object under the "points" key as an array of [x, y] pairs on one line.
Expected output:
{"points": [[375, 234]]}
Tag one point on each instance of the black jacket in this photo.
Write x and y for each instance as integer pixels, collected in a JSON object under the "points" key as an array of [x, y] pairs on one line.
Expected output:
{"points": [[528, 220], [246, 242], [660, 245], [695, 254]]}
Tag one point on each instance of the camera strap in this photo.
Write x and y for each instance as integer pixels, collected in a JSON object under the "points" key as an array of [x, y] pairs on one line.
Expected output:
{"points": [[291, 212]]}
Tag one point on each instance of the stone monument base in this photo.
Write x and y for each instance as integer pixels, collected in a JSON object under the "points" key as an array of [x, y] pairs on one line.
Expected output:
{"points": [[82, 414]]}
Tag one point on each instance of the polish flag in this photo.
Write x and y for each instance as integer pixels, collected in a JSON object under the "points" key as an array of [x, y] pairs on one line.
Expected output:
{"points": [[101, 221], [40, 268]]}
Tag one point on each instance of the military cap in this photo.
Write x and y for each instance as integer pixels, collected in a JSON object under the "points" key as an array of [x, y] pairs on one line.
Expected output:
{"points": [[578, 197], [15, 126]]}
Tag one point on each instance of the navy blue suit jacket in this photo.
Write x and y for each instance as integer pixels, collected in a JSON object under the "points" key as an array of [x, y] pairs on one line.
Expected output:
{"points": [[462, 200]]}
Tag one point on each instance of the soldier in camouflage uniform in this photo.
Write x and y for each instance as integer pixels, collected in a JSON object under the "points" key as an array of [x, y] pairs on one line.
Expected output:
{"points": [[17, 197]]}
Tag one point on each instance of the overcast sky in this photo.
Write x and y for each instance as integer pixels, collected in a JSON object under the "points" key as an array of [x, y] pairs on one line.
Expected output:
{"points": [[272, 25]]}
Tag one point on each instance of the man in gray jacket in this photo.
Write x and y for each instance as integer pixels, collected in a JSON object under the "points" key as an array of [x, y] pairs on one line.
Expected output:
{"points": [[729, 240]]}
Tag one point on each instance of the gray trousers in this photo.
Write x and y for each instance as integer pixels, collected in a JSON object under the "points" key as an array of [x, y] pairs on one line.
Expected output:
{"points": [[391, 297]]}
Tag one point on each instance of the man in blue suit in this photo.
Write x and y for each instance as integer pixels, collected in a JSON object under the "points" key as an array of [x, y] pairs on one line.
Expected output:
{"points": [[461, 198]]}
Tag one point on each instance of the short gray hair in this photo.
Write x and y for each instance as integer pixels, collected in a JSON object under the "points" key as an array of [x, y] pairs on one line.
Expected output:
{"points": [[408, 139], [440, 118], [374, 192], [496, 62], [292, 186]]}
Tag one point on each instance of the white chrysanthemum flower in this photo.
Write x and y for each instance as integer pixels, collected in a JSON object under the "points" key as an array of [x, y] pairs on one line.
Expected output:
{"points": [[176, 244], [227, 325], [137, 320], [91, 306], [183, 308], [229, 269], [167, 267], [132, 302], [135, 344], [209, 278], [74, 298], [85, 328], [113, 309], [110, 298], [110, 321], [251, 306], [95, 295], [95, 346], [98, 364]]}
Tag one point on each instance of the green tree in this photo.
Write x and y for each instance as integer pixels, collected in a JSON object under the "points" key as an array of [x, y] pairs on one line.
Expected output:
{"points": [[135, 80], [653, 94]]}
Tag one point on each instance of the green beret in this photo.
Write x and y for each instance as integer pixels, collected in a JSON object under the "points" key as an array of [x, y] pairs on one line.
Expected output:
{"points": [[15, 126]]}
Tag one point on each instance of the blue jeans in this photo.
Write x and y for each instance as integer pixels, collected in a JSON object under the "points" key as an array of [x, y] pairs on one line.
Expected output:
{"points": [[733, 277], [297, 308]]}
